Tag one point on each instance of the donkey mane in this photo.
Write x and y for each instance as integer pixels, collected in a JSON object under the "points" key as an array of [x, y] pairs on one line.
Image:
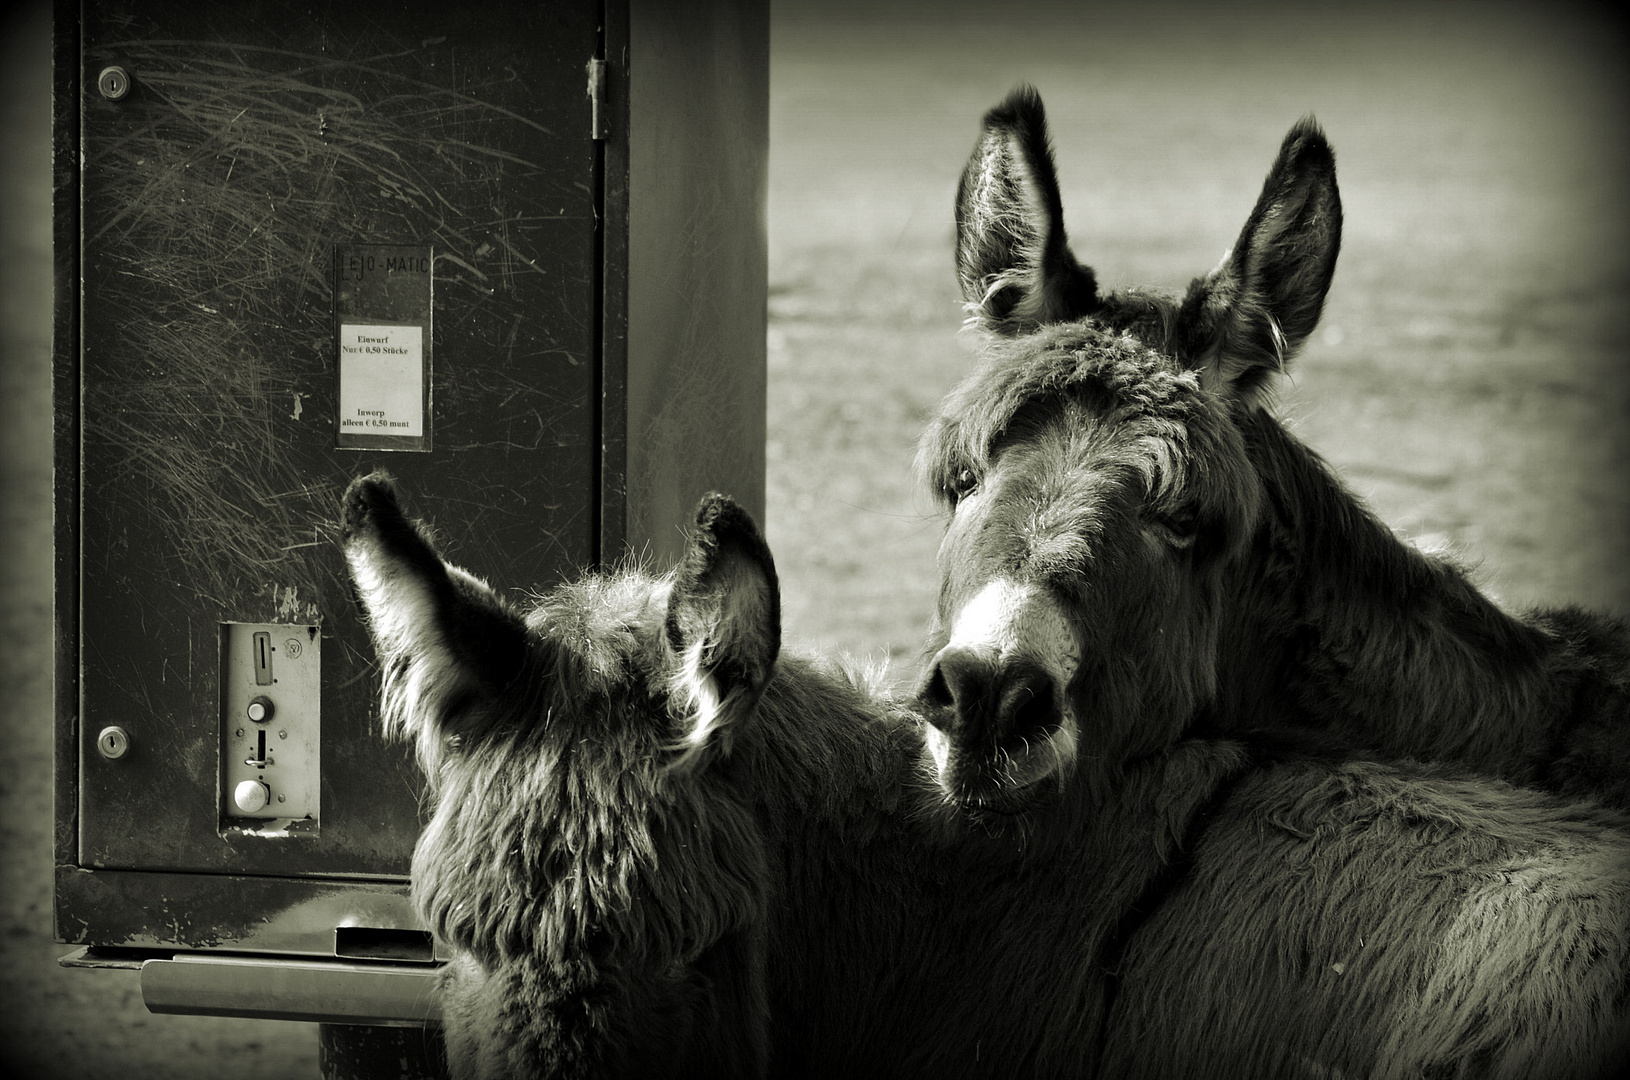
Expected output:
{"points": [[1375, 638], [1167, 417], [1057, 362]]}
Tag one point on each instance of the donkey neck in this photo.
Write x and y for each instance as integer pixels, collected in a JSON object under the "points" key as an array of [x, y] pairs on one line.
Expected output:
{"points": [[904, 951], [1332, 620]]}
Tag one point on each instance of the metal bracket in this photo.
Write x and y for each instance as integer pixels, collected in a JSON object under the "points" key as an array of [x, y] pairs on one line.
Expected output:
{"points": [[599, 116]]}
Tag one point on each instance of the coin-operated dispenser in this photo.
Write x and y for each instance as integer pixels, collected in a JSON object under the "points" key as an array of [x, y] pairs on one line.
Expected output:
{"points": [[512, 252]]}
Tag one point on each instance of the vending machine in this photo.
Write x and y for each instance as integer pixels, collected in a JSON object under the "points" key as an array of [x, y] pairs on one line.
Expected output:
{"points": [[511, 252]]}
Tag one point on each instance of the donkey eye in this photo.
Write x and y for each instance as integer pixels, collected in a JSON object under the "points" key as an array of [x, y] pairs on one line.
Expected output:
{"points": [[1179, 527], [962, 486]]}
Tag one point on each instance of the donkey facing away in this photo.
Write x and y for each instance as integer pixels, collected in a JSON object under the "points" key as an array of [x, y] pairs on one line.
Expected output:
{"points": [[660, 847], [1133, 534]]}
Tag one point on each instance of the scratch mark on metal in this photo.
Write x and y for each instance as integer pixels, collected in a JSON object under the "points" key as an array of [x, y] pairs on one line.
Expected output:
{"points": [[289, 606]]}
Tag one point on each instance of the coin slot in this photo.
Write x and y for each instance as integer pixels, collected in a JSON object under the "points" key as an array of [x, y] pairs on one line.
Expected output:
{"points": [[263, 659]]}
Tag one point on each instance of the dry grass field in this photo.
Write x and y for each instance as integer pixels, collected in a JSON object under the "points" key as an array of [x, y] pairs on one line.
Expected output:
{"points": [[1471, 377]]}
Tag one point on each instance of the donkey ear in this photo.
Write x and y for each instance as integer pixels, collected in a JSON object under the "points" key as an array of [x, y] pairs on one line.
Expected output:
{"points": [[1012, 257], [443, 636], [723, 622], [1243, 322]]}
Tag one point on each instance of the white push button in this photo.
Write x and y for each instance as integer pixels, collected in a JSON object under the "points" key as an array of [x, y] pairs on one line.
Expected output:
{"points": [[251, 795]]}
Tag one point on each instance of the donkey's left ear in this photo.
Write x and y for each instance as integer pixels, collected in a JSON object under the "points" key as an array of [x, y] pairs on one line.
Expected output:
{"points": [[1244, 321], [723, 623], [1012, 257], [443, 636]]}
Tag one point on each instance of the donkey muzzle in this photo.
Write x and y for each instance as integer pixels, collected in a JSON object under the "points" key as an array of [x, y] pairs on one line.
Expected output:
{"points": [[980, 701]]}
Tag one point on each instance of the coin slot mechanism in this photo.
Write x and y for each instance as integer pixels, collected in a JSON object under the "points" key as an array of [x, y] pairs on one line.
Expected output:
{"points": [[271, 731]]}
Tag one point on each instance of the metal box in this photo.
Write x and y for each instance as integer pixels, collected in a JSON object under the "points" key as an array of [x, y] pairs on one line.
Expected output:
{"points": [[512, 252]]}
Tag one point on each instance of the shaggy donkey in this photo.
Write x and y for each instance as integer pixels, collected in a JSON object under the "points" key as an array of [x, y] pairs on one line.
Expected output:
{"points": [[1120, 492], [659, 847]]}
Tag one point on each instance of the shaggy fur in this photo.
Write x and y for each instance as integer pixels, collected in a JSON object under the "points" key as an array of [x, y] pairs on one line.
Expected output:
{"points": [[1121, 455], [804, 902]]}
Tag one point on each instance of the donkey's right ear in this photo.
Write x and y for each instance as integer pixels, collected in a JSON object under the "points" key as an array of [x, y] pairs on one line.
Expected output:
{"points": [[1012, 257], [723, 624], [442, 634]]}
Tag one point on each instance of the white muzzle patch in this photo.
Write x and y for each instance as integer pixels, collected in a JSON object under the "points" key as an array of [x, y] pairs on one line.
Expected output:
{"points": [[1007, 621]]}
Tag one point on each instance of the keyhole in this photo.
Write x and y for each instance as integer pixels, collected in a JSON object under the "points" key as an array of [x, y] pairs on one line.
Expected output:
{"points": [[112, 742]]}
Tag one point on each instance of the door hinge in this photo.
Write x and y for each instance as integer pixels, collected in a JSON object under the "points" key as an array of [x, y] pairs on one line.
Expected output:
{"points": [[599, 118]]}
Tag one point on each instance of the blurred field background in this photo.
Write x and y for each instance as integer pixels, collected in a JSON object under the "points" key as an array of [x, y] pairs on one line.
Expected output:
{"points": [[1471, 377]]}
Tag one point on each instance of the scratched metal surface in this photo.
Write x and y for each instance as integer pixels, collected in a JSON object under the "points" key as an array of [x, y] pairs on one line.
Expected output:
{"points": [[255, 138]]}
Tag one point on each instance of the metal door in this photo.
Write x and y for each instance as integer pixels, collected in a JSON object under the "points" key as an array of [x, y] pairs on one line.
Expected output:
{"points": [[268, 187]]}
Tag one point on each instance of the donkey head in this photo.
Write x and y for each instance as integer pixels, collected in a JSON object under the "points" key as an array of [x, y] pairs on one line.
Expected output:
{"points": [[1095, 469], [587, 829]]}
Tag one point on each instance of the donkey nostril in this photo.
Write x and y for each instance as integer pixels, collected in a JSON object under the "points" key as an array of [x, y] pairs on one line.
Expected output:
{"points": [[956, 688], [936, 691], [1028, 704]]}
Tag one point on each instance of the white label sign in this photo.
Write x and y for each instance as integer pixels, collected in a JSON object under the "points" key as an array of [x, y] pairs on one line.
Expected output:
{"points": [[381, 380]]}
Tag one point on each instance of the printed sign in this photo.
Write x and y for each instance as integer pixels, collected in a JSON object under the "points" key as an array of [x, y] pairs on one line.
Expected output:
{"points": [[381, 380], [382, 332]]}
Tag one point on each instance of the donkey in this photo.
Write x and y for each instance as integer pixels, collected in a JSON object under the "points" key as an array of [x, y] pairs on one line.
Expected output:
{"points": [[660, 847], [1120, 494]]}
